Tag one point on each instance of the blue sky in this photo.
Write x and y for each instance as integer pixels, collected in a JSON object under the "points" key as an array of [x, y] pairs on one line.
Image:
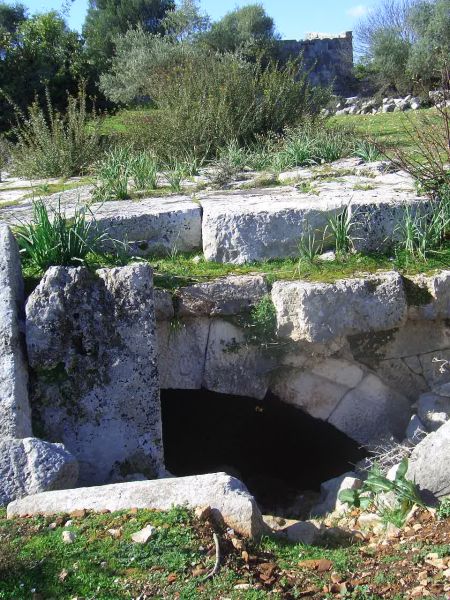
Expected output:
{"points": [[292, 17]]}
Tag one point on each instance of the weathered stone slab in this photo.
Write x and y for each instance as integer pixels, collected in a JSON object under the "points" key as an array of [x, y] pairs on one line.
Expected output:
{"points": [[155, 225], [30, 466], [182, 353], [226, 296], [91, 342], [319, 312], [234, 367], [15, 419], [253, 225], [316, 395], [227, 497], [372, 413], [151, 225]]}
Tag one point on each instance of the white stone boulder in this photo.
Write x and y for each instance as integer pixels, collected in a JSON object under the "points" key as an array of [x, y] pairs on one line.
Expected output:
{"points": [[227, 497], [429, 464], [15, 417], [254, 225], [433, 410], [226, 296], [30, 466], [91, 343], [320, 312], [329, 494]]}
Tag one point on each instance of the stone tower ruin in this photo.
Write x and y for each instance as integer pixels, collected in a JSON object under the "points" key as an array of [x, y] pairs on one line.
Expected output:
{"points": [[328, 56]]}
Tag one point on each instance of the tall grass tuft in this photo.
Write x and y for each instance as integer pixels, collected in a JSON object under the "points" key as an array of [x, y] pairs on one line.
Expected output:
{"points": [[51, 238], [143, 169], [367, 151], [341, 226], [312, 144], [113, 172], [52, 144]]}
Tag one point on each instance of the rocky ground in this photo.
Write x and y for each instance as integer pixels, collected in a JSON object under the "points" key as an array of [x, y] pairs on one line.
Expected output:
{"points": [[99, 556]]}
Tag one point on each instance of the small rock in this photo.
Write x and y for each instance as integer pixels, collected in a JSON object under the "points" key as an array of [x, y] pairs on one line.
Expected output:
{"points": [[142, 536], [78, 514], [63, 575], [68, 537], [68, 523], [115, 533], [203, 513], [369, 520], [243, 586], [327, 256]]}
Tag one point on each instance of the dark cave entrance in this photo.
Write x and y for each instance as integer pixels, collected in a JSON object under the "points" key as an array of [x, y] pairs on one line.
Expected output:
{"points": [[281, 453]]}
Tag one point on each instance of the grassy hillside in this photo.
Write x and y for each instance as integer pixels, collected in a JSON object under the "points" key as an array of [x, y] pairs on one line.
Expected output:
{"points": [[103, 563]]}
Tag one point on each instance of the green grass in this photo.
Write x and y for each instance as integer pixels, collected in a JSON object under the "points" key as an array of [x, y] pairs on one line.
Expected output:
{"points": [[389, 129], [97, 565], [173, 272]]}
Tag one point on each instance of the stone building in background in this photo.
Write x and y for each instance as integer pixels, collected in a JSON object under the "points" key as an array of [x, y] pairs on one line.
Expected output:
{"points": [[329, 56]]}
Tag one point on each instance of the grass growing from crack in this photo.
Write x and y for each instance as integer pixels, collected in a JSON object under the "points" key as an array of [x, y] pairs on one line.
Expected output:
{"points": [[183, 269]]}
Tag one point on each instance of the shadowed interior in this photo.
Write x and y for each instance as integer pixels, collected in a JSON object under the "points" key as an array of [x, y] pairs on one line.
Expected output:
{"points": [[280, 452]]}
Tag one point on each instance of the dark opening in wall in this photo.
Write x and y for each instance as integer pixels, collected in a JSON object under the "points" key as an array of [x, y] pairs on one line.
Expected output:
{"points": [[276, 449]]}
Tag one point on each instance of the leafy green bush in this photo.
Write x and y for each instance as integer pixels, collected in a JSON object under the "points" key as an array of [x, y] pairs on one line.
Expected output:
{"points": [[51, 238], [208, 101], [369, 495], [52, 144]]}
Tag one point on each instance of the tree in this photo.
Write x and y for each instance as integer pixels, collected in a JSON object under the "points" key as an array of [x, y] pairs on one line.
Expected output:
{"points": [[106, 19], [185, 22], [407, 43], [248, 30], [11, 15], [42, 53], [430, 54]]}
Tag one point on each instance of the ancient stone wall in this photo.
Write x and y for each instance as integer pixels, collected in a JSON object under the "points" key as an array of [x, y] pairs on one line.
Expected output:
{"points": [[330, 58]]}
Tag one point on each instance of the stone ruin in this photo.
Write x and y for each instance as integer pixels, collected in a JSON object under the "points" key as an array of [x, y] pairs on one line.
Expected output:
{"points": [[84, 359], [328, 56]]}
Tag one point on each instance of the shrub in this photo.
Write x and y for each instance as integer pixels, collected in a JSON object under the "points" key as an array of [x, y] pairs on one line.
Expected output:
{"points": [[51, 238], [208, 101], [52, 144]]}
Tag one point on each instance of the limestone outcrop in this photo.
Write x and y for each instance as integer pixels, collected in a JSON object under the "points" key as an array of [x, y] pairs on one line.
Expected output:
{"points": [[91, 344]]}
